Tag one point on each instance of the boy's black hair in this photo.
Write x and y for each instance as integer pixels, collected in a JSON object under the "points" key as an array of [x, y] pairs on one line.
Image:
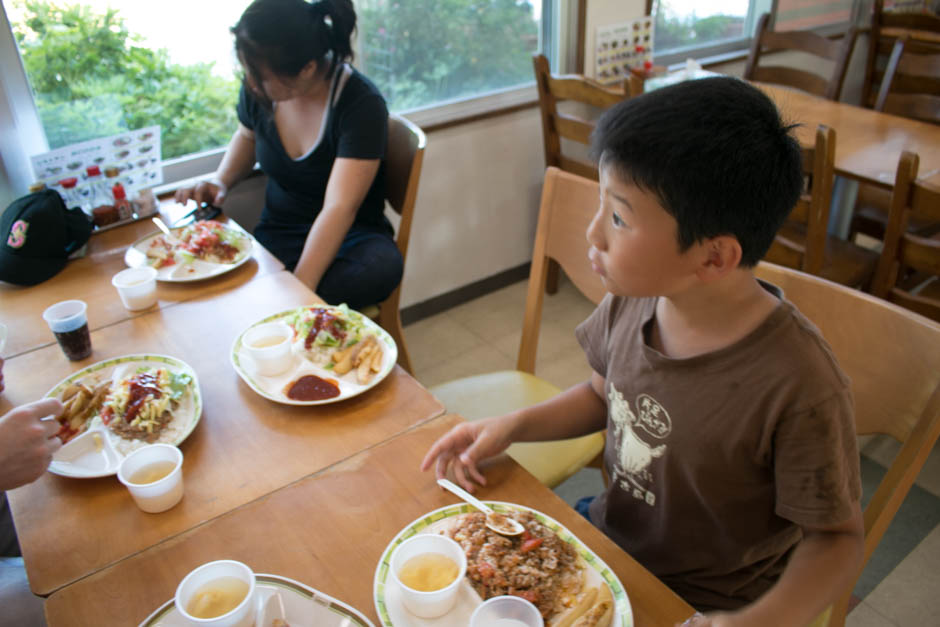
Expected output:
{"points": [[716, 154]]}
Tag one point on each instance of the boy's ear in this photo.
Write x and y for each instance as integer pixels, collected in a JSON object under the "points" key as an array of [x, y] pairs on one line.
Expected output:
{"points": [[721, 255]]}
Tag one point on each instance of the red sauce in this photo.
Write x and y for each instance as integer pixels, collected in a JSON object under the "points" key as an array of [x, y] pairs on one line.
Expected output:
{"points": [[141, 386], [325, 319], [310, 387]]}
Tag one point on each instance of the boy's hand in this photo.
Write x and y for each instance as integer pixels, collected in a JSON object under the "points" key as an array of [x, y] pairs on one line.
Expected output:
{"points": [[467, 444], [27, 442], [714, 619]]}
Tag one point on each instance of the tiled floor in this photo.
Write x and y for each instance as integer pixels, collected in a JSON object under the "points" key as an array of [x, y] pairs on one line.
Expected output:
{"points": [[483, 335]]}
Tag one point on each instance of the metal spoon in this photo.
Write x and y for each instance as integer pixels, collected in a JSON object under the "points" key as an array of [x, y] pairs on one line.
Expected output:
{"points": [[503, 525], [166, 230]]}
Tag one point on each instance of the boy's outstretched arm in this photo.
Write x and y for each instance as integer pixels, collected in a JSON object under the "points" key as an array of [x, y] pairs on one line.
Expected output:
{"points": [[577, 411], [820, 569]]}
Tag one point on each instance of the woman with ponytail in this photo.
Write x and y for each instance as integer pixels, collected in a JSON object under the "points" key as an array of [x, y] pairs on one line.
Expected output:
{"points": [[318, 128]]}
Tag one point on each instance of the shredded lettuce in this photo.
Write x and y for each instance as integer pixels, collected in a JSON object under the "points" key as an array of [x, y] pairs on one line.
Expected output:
{"points": [[179, 383]]}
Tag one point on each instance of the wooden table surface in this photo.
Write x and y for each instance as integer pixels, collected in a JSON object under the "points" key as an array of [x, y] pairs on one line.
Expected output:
{"points": [[244, 447], [89, 279], [329, 531], [868, 143]]}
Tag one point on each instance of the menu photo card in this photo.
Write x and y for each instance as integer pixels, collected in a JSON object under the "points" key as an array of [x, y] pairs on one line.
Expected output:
{"points": [[622, 46]]}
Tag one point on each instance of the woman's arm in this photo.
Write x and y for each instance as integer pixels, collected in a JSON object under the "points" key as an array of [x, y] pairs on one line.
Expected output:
{"points": [[236, 164], [350, 180]]}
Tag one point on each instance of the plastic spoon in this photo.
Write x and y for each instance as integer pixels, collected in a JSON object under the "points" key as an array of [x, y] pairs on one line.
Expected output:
{"points": [[503, 525]]}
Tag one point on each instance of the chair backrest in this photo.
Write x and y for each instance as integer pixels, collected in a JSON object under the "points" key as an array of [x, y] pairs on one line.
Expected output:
{"points": [[568, 205], [812, 208], [836, 51], [886, 26], [892, 357], [557, 125], [907, 260], [911, 83], [403, 160]]}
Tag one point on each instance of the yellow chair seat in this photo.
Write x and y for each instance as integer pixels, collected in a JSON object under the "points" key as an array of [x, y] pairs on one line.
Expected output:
{"points": [[498, 393]]}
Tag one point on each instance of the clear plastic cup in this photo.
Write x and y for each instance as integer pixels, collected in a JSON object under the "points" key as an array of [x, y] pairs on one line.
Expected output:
{"points": [[69, 324], [506, 611], [139, 472], [437, 602], [268, 346], [214, 580], [3, 337], [137, 287]]}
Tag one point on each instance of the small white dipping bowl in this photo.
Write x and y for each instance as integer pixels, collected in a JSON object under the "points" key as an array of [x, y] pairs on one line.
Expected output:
{"points": [[438, 602], [506, 611], [162, 494], [242, 615], [268, 346], [137, 287]]}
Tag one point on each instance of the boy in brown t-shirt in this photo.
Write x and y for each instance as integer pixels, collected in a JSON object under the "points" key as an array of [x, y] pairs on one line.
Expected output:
{"points": [[730, 438]]}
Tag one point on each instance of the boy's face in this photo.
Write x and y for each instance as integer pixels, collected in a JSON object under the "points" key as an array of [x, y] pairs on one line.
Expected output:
{"points": [[634, 242]]}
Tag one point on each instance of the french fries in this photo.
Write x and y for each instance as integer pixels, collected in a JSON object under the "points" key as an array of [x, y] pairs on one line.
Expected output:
{"points": [[80, 403], [365, 356], [601, 613]]}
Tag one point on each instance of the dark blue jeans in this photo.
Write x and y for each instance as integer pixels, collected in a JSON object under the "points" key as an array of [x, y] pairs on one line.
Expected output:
{"points": [[365, 271]]}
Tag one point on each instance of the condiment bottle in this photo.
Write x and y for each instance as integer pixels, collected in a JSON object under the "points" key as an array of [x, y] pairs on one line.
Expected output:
{"points": [[94, 191], [38, 186], [121, 203], [70, 195]]}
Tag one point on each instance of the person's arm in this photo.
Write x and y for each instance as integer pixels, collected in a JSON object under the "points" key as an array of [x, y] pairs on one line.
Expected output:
{"points": [[27, 442], [821, 568], [237, 163], [350, 180], [577, 411]]}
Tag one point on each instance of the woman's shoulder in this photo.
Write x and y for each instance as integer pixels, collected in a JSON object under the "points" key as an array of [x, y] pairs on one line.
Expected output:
{"points": [[359, 87]]}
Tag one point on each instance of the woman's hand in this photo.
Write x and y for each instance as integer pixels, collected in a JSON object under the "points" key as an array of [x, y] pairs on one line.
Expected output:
{"points": [[27, 442], [467, 444], [212, 192]]}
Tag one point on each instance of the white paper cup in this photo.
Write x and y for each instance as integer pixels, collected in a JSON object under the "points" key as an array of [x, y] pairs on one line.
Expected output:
{"points": [[506, 611], [242, 615], [162, 494], [438, 602], [268, 346], [137, 287]]}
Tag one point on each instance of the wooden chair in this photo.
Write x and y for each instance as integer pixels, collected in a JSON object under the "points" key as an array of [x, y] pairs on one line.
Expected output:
{"points": [[766, 40], [557, 125], [911, 83], [892, 357], [803, 242], [886, 27], [909, 267], [568, 204], [403, 160]]}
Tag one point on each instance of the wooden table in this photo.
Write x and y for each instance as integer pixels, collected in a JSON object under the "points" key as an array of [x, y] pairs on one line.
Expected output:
{"points": [[329, 532], [244, 447], [89, 279], [868, 143]]}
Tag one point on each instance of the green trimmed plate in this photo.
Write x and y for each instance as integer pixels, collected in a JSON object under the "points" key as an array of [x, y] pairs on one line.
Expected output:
{"points": [[385, 591], [189, 410], [272, 388], [196, 270]]}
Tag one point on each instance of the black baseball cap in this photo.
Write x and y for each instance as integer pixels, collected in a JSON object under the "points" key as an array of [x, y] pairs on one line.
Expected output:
{"points": [[37, 235]]}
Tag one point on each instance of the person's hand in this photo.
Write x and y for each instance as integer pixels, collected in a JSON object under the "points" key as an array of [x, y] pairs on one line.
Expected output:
{"points": [[27, 442], [212, 192], [467, 444], [713, 619]]}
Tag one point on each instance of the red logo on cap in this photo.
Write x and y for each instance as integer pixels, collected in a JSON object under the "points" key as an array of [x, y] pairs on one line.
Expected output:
{"points": [[18, 234]]}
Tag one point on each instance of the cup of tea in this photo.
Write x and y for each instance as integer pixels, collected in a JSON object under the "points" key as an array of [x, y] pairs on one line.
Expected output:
{"points": [[218, 594], [153, 475], [137, 287], [69, 324], [506, 611], [428, 569], [268, 346]]}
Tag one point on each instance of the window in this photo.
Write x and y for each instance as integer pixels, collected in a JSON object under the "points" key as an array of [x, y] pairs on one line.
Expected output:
{"points": [[100, 67], [700, 28]]}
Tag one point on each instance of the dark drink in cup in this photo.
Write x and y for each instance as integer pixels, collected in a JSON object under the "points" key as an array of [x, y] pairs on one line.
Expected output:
{"points": [[70, 326], [75, 344]]}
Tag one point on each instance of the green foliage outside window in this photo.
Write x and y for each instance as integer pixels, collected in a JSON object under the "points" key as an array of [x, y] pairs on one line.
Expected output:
{"points": [[91, 79]]}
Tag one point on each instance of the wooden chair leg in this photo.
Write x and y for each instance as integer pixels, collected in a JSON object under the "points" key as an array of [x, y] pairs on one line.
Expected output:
{"points": [[554, 272], [390, 320]]}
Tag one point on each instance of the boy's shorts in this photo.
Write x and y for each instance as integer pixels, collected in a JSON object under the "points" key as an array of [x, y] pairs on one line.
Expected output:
{"points": [[582, 506]]}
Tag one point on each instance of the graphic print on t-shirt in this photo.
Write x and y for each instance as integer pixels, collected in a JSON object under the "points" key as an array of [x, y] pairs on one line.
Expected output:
{"points": [[634, 455]]}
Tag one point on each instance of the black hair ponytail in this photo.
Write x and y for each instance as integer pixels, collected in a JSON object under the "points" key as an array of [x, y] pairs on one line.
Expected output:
{"points": [[283, 36]]}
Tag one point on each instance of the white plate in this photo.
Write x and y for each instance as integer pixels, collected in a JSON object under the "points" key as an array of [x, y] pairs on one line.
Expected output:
{"points": [[386, 592], [273, 387], [104, 462], [302, 606], [196, 270]]}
